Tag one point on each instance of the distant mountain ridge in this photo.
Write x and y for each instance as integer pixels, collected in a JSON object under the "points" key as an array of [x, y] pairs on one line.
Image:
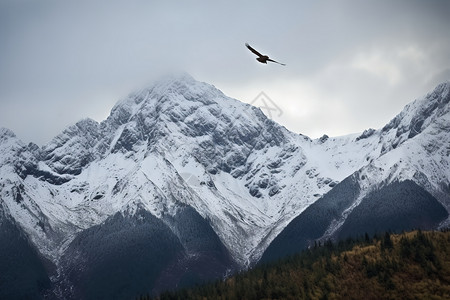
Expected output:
{"points": [[180, 154]]}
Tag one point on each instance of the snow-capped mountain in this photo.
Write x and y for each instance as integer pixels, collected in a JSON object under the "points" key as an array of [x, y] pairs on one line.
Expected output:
{"points": [[403, 185], [180, 158]]}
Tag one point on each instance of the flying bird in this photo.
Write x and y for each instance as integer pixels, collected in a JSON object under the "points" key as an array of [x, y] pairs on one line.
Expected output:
{"points": [[262, 58]]}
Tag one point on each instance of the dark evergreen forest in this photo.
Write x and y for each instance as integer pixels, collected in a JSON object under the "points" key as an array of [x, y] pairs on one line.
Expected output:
{"points": [[412, 265]]}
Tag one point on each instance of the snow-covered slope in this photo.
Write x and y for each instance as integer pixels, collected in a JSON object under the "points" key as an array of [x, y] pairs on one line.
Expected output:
{"points": [[182, 143]]}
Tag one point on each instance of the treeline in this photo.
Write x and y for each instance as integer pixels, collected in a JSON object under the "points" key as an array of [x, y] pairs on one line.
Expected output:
{"points": [[413, 265]]}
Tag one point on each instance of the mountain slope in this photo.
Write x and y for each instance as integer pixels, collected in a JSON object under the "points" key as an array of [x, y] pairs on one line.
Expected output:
{"points": [[396, 207], [24, 274], [131, 253], [412, 265], [313, 222]]}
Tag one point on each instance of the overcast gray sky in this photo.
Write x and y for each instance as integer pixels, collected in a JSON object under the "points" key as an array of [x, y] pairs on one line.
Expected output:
{"points": [[351, 65]]}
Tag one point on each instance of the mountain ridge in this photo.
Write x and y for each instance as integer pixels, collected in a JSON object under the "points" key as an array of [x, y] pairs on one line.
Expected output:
{"points": [[183, 143]]}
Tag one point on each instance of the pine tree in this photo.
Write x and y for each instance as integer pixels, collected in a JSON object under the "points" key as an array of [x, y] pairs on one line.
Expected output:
{"points": [[386, 242]]}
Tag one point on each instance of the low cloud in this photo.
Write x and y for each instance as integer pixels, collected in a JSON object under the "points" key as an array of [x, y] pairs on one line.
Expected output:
{"points": [[350, 64]]}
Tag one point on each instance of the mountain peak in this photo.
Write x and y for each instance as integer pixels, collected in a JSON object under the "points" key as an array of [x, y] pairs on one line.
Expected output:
{"points": [[178, 109], [171, 89], [443, 89], [175, 77], [419, 114], [438, 98], [6, 133], [86, 122]]}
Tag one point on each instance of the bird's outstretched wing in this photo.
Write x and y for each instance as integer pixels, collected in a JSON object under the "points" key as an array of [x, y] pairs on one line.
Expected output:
{"points": [[275, 61], [253, 50]]}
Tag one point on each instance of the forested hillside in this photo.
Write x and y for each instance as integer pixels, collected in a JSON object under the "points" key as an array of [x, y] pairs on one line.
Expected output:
{"points": [[413, 265]]}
